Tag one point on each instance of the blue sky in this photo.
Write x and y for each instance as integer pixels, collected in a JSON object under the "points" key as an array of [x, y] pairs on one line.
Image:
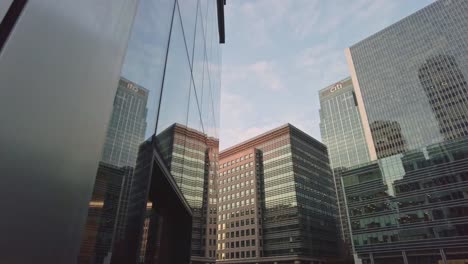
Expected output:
{"points": [[280, 53]]}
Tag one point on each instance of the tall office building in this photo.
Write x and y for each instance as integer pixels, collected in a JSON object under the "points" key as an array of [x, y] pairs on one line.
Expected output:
{"points": [[410, 83], [343, 134], [340, 125], [127, 125], [413, 75], [103, 212], [56, 139], [276, 200], [125, 132], [192, 158]]}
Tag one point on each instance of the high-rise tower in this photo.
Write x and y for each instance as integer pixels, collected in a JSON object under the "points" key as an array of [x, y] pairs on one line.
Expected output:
{"points": [[413, 74], [127, 125], [343, 134], [410, 83]]}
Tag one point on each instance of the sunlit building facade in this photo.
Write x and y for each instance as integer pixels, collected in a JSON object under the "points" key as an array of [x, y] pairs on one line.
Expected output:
{"points": [[276, 200], [192, 159]]}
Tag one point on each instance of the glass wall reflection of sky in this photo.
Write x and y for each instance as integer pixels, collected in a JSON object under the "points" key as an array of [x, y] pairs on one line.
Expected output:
{"points": [[173, 55]]}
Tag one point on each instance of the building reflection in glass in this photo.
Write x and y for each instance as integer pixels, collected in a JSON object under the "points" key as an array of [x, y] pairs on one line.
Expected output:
{"points": [[388, 138], [102, 212], [411, 205], [114, 177], [447, 91], [189, 157], [414, 72], [163, 134]]}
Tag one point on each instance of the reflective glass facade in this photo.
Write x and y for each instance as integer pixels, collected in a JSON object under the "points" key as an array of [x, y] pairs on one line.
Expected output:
{"points": [[127, 126], [293, 199], [343, 134], [168, 94], [412, 77], [192, 159], [91, 119], [340, 125], [411, 207]]}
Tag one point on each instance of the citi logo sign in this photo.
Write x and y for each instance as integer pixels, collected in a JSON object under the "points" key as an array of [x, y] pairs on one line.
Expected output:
{"points": [[132, 87], [336, 87]]}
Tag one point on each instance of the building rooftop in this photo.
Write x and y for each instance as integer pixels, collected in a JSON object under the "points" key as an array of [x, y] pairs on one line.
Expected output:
{"points": [[255, 141]]}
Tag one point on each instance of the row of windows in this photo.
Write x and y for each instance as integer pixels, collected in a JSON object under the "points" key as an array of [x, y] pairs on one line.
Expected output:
{"points": [[426, 199], [236, 195], [236, 214], [410, 187], [417, 216], [236, 204], [412, 234], [238, 223], [236, 186], [238, 168], [232, 162], [236, 255], [236, 178], [237, 244], [211, 253], [238, 233], [430, 183]]}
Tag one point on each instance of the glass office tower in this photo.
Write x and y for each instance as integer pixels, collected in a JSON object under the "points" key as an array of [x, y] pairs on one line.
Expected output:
{"points": [[340, 125], [127, 126], [411, 78], [192, 158], [410, 83], [87, 111], [343, 134], [411, 207], [276, 200]]}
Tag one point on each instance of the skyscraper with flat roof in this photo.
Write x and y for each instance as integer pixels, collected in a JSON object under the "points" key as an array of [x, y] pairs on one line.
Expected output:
{"points": [[276, 200], [192, 158], [126, 131], [413, 74], [127, 125], [343, 134], [411, 89], [340, 125]]}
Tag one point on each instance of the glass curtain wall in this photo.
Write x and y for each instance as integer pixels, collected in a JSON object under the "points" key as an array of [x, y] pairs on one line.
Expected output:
{"points": [[170, 77]]}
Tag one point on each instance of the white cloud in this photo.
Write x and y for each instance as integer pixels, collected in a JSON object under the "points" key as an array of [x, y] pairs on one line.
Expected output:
{"points": [[323, 62], [261, 74], [305, 18], [283, 52], [267, 74]]}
